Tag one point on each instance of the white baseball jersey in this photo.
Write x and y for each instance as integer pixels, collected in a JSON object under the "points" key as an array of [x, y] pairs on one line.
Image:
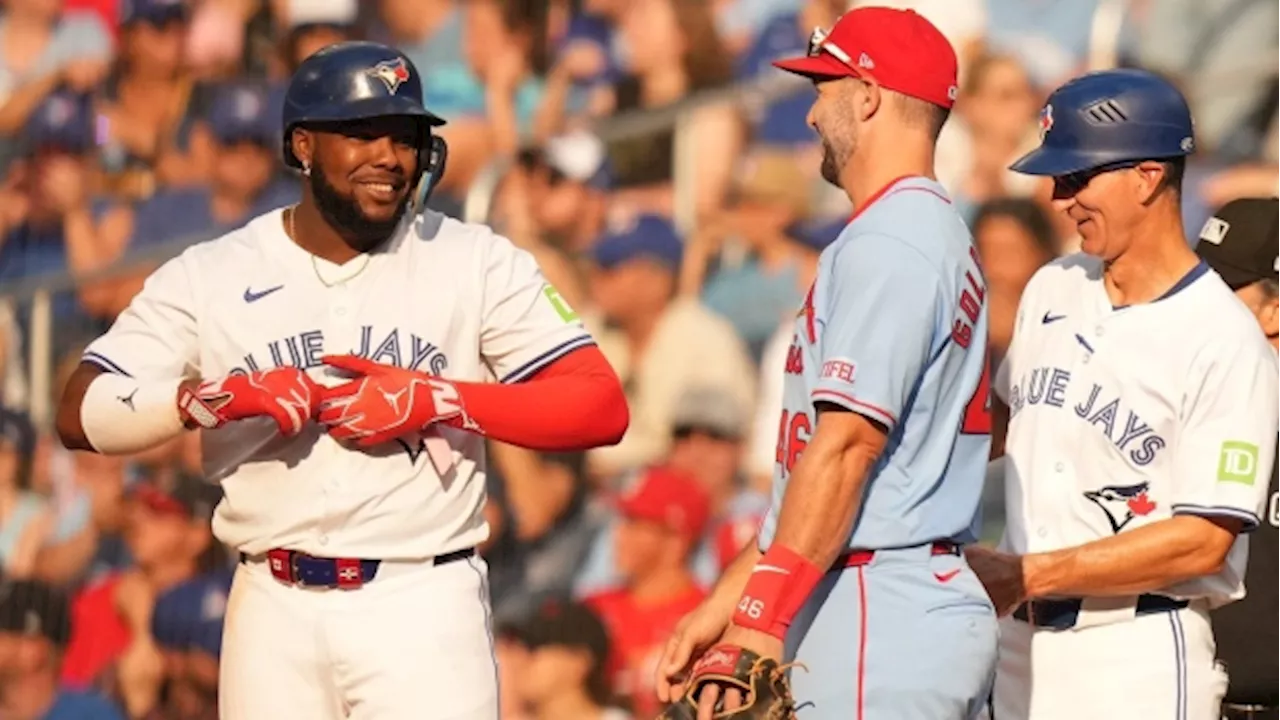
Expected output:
{"points": [[1120, 417], [440, 296]]}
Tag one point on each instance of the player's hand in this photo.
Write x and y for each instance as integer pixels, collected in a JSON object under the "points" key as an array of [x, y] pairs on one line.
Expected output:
{"points": [[710, 700], [286, 395], [695, 632], [384, 402], [1001, 575]]}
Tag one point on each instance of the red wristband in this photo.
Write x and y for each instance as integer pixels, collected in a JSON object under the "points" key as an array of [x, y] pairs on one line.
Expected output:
{"points": [[779, 585]]}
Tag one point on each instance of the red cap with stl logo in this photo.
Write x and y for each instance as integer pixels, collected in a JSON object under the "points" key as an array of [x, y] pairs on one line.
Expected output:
{"points": [[898, 49], [668, 497]]}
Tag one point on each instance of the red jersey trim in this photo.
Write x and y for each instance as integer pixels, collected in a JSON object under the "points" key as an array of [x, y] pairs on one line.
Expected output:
{"points": [[884, 192]]}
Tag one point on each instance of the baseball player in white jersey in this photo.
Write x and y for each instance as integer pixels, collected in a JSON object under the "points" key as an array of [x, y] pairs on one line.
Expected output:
{"points": [[338, 357], [1142, 402]]}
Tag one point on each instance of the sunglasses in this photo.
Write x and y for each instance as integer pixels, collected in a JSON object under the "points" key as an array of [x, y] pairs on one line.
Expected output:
{"points": [[819, 42], [1077, 181]]}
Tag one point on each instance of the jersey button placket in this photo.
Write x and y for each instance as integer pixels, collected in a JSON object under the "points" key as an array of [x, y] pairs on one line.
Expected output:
{"points": [[342, 318]]}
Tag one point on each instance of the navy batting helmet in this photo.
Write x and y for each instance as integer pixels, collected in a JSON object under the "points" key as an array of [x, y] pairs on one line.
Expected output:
{"points": [[356, 81], [1107, 119]]}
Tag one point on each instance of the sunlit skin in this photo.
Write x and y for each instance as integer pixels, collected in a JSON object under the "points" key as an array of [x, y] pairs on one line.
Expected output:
{"points": [[1124, 217], [360, 180]]}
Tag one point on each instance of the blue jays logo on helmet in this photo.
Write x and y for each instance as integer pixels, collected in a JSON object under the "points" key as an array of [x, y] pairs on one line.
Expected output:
{"points": [[392, 73], [1122, 503], [1046, 121]]}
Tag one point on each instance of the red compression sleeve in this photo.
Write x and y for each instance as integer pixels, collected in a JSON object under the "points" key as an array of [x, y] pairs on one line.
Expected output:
{"points": [[575, 403]]}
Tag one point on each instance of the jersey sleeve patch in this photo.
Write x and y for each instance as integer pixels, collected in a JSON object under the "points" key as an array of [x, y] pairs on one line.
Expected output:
{"points": [[839, 370], [866, 363], [1226, 447], [525, 323]]}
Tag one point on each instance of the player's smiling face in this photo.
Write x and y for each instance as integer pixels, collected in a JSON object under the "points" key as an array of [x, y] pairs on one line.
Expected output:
{"points": [[1106, 205], [362, 173]]}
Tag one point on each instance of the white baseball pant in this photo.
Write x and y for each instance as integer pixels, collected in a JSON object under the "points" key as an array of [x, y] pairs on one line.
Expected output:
{"points": [[1160, 665], [416, 639]]}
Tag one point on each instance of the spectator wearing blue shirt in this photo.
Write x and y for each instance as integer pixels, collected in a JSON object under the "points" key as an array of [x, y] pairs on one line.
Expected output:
{"points": [[243, 123], [43, 47], [47, 225], [756, 271], [581, 74], [783, 122], [187, 626], [34, 628]]}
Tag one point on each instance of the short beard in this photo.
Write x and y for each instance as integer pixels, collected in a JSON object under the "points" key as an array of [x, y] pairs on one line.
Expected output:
{"points": [[833, 161], [344, 215]]}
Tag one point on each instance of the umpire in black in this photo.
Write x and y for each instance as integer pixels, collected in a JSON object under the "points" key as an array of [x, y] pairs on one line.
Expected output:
{"points": [[1240, 243]]}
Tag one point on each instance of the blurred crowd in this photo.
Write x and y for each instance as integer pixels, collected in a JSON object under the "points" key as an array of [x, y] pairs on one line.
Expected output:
{"points": [[128, 127]]}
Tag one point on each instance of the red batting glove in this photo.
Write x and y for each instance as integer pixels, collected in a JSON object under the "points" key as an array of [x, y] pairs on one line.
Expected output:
{"points": [[285, 394], [385, 402]]}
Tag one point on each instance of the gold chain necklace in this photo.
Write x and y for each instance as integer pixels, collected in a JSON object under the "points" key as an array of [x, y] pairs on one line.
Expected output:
{"points": [[315, 265]]}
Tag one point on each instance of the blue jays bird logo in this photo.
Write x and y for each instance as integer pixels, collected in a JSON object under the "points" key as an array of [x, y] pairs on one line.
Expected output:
{"points": [[1122, 503], [1046, 121], [392, 73]]}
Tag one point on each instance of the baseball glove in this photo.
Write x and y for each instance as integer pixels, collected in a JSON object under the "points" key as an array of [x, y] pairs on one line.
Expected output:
{"points": [[762, 681]]}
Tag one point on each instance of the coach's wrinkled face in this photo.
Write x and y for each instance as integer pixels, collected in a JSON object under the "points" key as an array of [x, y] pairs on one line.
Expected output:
{"points": [[361, 173], [1106, 205]]}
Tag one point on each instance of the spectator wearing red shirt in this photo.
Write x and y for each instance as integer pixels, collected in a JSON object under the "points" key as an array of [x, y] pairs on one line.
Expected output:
{"points": [[168, 535], [33, 631], [663, 517]]}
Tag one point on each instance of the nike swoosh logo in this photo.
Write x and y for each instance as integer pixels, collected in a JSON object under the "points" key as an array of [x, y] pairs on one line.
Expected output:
{"points": [[946, 576], [771, 568], [1048, 318], [251, 296]]}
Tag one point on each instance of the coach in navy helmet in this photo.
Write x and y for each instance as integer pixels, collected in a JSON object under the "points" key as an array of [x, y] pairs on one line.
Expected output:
{"points": [[1131, 481]]}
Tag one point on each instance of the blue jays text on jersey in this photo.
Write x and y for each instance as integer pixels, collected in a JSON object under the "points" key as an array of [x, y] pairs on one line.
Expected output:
{"points": [[1097, 406], [389, 347]]}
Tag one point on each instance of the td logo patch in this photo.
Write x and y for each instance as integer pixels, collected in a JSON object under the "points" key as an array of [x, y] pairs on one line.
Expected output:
{"points": [[1238, 462], [561, 307]]}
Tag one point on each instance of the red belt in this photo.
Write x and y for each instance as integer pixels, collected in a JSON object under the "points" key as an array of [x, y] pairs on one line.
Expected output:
{"points": [[296, 568], [858, 558]]}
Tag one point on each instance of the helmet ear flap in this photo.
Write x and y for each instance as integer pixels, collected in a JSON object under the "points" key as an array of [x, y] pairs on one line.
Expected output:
{"points": [[431, 164]]}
